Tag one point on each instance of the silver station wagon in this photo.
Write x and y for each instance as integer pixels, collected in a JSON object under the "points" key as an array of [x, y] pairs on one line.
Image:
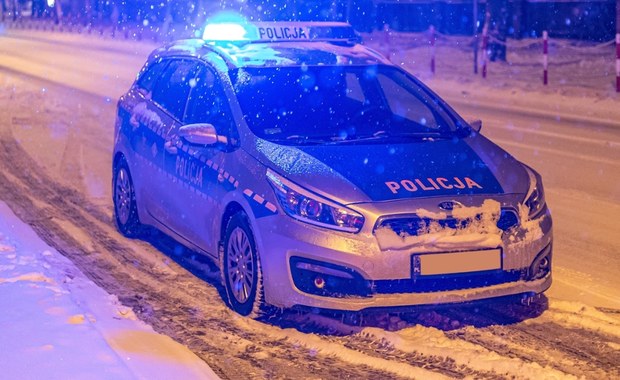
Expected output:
{"points": [[317, 174]]}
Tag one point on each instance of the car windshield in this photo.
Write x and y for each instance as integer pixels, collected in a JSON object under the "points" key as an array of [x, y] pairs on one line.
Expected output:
{"points": [[339, 104]]}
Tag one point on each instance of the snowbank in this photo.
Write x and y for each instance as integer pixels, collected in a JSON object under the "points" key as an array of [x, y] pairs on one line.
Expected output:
{"points": [[57, 324]]}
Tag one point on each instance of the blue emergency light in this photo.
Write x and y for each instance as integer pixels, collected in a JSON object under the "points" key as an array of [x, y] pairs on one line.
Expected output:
{"points": [[225, 32]]}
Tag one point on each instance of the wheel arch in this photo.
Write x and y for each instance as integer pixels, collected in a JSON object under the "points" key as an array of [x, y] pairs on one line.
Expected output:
{"points": [[231, 209], [234, 206], [118, 156]]}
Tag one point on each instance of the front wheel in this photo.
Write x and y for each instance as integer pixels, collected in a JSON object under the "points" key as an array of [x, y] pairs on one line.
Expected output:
{"points": [[241, 270], [124, 198]]}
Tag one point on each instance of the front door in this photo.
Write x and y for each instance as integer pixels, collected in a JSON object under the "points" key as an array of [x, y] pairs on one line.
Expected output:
{"points": [[168, 100]]}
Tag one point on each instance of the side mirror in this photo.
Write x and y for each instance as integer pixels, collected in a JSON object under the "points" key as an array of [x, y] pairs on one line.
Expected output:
{"points": [[476, 125], [200, 134]]}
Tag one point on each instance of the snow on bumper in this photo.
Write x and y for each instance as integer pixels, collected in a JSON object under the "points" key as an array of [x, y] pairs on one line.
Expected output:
{"points": [[308, 266]]}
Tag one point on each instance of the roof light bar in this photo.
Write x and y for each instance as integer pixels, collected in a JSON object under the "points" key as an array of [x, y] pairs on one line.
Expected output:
{"points": [[280, 32]]}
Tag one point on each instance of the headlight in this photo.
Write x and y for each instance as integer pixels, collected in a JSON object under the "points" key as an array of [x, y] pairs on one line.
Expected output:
{"points": [[310, 208], [535, 198]]}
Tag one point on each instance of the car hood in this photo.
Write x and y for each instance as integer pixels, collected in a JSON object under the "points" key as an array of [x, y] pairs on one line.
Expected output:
{"points": [[356, 173]]}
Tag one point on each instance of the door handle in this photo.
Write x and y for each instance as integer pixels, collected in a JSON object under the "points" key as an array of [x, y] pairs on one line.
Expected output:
{"points": [[170, 147]]}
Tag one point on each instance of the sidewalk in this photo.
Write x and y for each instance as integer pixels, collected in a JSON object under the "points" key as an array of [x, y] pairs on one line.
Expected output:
{"points": [[57, 324]]}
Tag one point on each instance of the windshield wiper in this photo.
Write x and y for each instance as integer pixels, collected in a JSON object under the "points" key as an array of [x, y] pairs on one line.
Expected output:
{"points": [[305, 140], [377, 136], [384, 135]]}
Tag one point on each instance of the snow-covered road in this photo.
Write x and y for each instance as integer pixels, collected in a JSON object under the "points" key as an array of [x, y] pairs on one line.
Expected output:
{"points": [[58, 95]]}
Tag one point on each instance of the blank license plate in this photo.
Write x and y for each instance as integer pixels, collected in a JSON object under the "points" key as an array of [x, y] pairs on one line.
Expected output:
{"points": [[457, 262]]}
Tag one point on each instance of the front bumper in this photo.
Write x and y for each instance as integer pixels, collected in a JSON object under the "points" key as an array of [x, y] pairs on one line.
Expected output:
{"points": [[398, 300], [305, 266]]}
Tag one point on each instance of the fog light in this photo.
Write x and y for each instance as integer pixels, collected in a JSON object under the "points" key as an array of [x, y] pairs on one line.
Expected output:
{"points": [[542, 268], [326, 279], [542, 264], [319, 282]]}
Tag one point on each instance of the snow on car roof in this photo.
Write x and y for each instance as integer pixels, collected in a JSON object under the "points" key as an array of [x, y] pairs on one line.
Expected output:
{"points": [[301, 53]]}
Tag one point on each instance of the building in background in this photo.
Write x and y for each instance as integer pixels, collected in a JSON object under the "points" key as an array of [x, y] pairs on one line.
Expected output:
{"points": [[591, 20], [588, 20]]}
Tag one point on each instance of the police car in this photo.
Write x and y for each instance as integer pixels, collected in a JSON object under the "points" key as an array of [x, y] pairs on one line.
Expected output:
{"points": [[319, 175]]}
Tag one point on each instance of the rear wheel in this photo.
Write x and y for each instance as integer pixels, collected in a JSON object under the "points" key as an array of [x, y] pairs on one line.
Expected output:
{"points": [[124, 198], [241, 269]]}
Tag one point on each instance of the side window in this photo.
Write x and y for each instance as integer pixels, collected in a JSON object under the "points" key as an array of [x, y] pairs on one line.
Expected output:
{"points": [[172, 88], [150, 75], [405, 104], [208, 103], [354, 89]]}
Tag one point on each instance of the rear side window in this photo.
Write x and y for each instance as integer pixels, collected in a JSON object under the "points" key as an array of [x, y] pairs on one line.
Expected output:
{"points": [[172, 88], [150, 75]]}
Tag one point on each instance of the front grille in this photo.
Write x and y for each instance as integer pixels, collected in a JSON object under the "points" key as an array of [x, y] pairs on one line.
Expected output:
{"points": [[429, 284], [412, 225]]}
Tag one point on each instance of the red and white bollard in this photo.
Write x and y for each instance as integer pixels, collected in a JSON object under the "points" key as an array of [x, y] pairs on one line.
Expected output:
{"points": [[617, 62], [545, 57], [432, 44], [485, 44]]}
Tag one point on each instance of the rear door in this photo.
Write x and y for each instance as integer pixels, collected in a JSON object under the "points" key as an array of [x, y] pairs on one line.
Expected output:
{"points": [[145, 128]]}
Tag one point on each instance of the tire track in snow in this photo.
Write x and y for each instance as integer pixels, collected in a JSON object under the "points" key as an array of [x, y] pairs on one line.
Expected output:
{"points": [[541, 345], [570, 350], [442, 364], [536, 347]]}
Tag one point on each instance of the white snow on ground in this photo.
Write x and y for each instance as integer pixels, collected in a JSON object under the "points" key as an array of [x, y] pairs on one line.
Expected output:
{"points": [[579, 315], [315, 345], [57, 324], [568, 131], [431, 341]]}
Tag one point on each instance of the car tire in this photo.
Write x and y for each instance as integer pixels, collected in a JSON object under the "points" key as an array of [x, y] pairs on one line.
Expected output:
{"points": [[241, 270], [124, 199]]}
